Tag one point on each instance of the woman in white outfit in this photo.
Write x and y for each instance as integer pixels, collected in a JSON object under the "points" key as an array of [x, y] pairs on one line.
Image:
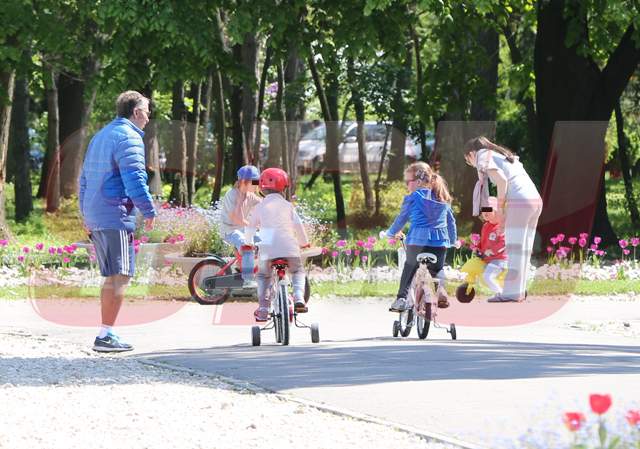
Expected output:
{"points": [[519, 203]]}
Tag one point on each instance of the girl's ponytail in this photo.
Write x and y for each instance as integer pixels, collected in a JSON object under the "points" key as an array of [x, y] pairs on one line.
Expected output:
{"points": [[440, 189], [427, 177]]}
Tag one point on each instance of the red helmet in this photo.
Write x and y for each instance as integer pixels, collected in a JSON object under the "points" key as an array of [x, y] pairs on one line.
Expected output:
{"points": [[274, 179]]}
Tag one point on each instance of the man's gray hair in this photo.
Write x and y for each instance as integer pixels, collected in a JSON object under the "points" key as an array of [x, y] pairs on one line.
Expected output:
{"points": [[128, 101]]}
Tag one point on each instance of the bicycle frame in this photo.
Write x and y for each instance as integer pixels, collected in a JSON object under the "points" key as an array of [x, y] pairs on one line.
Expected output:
{"points": [[237, 260]]}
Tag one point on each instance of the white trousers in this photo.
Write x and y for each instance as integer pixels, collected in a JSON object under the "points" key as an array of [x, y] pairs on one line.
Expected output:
{"points": [[491, 272], [265, 279], [520, 231]]}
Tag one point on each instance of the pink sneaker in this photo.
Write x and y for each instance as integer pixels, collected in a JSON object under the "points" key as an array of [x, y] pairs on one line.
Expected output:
{"points": [[261, 314]]}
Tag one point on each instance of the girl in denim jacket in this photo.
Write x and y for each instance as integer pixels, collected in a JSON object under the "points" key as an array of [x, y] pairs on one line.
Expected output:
{"points": [[432, 228]]}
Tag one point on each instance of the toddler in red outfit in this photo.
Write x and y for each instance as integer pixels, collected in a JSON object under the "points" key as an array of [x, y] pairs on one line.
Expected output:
{"points": [[492, 247]]}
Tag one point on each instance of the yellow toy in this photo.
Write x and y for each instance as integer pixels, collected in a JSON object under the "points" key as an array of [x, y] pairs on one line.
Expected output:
{"points": [[474, 268]]}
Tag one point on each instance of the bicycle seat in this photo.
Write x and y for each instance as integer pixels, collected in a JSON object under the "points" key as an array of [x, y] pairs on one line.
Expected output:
{"points": [[426, 258], [279, 263]]}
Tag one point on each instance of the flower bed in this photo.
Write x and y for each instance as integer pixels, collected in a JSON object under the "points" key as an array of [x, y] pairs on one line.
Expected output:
{"points": [[365, 260], [594, 431]]}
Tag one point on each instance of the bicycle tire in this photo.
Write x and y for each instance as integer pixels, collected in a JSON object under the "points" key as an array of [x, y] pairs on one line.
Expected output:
{"points": [[423, 323], [283, 305], [203, 270], [405, 328]]}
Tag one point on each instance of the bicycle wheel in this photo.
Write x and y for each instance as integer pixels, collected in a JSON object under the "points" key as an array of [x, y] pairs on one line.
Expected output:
{"points": [[255, 335], [315, 333], [396, 328], [424, 322], [283, 305], [406, 322], [452, 331], [307, 289], [202, 282]]}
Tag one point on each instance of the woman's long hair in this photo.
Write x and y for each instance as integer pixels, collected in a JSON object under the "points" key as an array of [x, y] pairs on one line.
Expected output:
{"points": [[480, 142], [427, 177]]}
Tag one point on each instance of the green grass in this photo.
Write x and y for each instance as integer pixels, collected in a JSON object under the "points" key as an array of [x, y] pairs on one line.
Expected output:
{"points": [[618, 209], [320, 198], [542, 287], [347, 289], [61, 228], [134, 291]]}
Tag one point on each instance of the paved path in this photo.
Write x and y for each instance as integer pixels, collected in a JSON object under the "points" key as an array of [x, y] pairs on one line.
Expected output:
{"points": [[492, 384]]}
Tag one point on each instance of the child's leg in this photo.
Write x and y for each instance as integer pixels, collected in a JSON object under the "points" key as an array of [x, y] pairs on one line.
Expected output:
{"points": [[409, 270], [235, 238], [297, 277], [296, 270], [437, 274], [491, 273], [264, 278]]}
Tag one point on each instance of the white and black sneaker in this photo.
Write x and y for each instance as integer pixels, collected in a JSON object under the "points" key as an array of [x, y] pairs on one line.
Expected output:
{"points": [[110, 343], [399, 305]]}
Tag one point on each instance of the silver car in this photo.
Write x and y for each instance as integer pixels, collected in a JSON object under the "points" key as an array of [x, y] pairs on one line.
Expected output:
{"points": [[312, 147]]}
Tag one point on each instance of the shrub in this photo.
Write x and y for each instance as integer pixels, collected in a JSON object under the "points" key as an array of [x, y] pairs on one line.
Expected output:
{"points": [[391, 197]]}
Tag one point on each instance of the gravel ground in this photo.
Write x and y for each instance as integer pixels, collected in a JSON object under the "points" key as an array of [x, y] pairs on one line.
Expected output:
{"points": [[56, 395]]}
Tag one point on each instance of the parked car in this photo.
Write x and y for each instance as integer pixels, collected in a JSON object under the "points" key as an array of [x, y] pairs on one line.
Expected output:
{"points": [[312, 147]]}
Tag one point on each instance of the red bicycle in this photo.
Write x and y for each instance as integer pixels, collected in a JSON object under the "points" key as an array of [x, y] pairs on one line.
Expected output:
{"points": [[213, 280]]}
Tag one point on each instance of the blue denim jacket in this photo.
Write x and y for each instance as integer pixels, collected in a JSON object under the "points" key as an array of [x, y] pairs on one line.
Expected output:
{"points": [[432, 222], [113, 182]]}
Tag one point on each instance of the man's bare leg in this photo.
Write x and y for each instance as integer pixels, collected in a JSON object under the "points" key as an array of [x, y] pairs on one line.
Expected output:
{"points": [[111, 297]]}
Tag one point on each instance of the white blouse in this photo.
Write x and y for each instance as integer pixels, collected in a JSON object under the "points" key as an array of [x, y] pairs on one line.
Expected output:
{"points": [[281, 230], [519, 184]]}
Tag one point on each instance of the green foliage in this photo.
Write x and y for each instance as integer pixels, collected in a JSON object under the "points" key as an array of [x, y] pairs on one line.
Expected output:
{"points": [[320, 200], [391, 197], [617, 206], [207, 242]]}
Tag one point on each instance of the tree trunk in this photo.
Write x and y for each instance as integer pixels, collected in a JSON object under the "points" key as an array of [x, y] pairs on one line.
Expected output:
{"points": [[178, 154], [571, 87], [482, 116], [358, 106], [192, 140], [484, 105], [623, 155], [281, 118], [328, 105], [205, 119], [395, 171], [152, 147], [250, 63], [219, 132], [523, 96], [238, 156], [422, 134], [257, 143], [294, 109], [7, 82], [378, 184], [76, 97], [50, 182], [19, 143]]}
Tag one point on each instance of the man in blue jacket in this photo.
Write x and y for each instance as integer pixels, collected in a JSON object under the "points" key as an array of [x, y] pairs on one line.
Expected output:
{"points": [[113, 184]]}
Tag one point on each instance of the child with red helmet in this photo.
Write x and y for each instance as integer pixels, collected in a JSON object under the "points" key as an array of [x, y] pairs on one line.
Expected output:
{"points": [[281, 237], [492, 246]]}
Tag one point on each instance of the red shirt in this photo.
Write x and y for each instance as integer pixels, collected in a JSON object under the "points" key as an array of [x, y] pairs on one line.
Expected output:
{"points": [[492, 243]]}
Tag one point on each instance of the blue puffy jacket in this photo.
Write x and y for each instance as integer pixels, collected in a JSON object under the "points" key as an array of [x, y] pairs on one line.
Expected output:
{"points": [[113, 182], [432, 221]]}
